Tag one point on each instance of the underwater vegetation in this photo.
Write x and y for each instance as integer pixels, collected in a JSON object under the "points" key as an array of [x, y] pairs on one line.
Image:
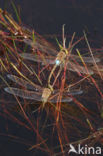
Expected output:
{"points": [[54, 92]]}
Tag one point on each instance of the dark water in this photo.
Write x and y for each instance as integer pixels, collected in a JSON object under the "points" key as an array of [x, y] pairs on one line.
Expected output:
{"points": [[47, 17]]}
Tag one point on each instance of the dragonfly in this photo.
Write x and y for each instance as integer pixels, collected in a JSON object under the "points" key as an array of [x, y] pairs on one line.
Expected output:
{"points": [[59, 58], [36, 92]]}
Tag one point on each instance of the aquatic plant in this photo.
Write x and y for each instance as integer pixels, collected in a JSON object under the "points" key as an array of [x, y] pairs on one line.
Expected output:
{"points": [[54, 106]]}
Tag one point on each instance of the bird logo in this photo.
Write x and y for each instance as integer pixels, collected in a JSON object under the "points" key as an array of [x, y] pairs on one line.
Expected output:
{"points": [[72, 149]]}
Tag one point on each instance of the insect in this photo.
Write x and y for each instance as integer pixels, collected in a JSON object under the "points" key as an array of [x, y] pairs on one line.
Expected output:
{"points": [[35, 92], [59, 59], [49, 55]]}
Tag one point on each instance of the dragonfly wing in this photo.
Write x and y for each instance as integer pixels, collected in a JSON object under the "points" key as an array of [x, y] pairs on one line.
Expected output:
{"points": [[86, 59], [56, 99], [44, 48], [78, 68], [43, 59], [24, 83], [23, 93], [66, 99], [31, 57], [75, 92]]}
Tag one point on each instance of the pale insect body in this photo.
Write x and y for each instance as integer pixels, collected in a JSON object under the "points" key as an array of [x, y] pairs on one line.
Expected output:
{"points": [[43, 94], [70, 66], [59, 58]]}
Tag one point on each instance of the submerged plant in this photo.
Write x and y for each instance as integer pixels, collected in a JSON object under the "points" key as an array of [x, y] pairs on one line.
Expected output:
{"points": [[54, 86]]}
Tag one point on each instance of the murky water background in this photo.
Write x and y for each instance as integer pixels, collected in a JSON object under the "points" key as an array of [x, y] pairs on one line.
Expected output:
{"points": [[47, 18]]}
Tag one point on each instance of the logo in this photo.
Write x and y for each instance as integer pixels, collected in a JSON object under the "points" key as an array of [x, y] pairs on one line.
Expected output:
{"points": [[84, 149]]}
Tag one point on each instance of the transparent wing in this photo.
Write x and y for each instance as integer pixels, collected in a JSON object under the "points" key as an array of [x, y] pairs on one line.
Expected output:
{"points": [[35, 96], [51, 60], [52, 51], [71, 65], [44, 48], [31, 95], [66, 98], [23, 93], [75, 92], [43, 59], [24, 83], [79, 69], [86, 59]]}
